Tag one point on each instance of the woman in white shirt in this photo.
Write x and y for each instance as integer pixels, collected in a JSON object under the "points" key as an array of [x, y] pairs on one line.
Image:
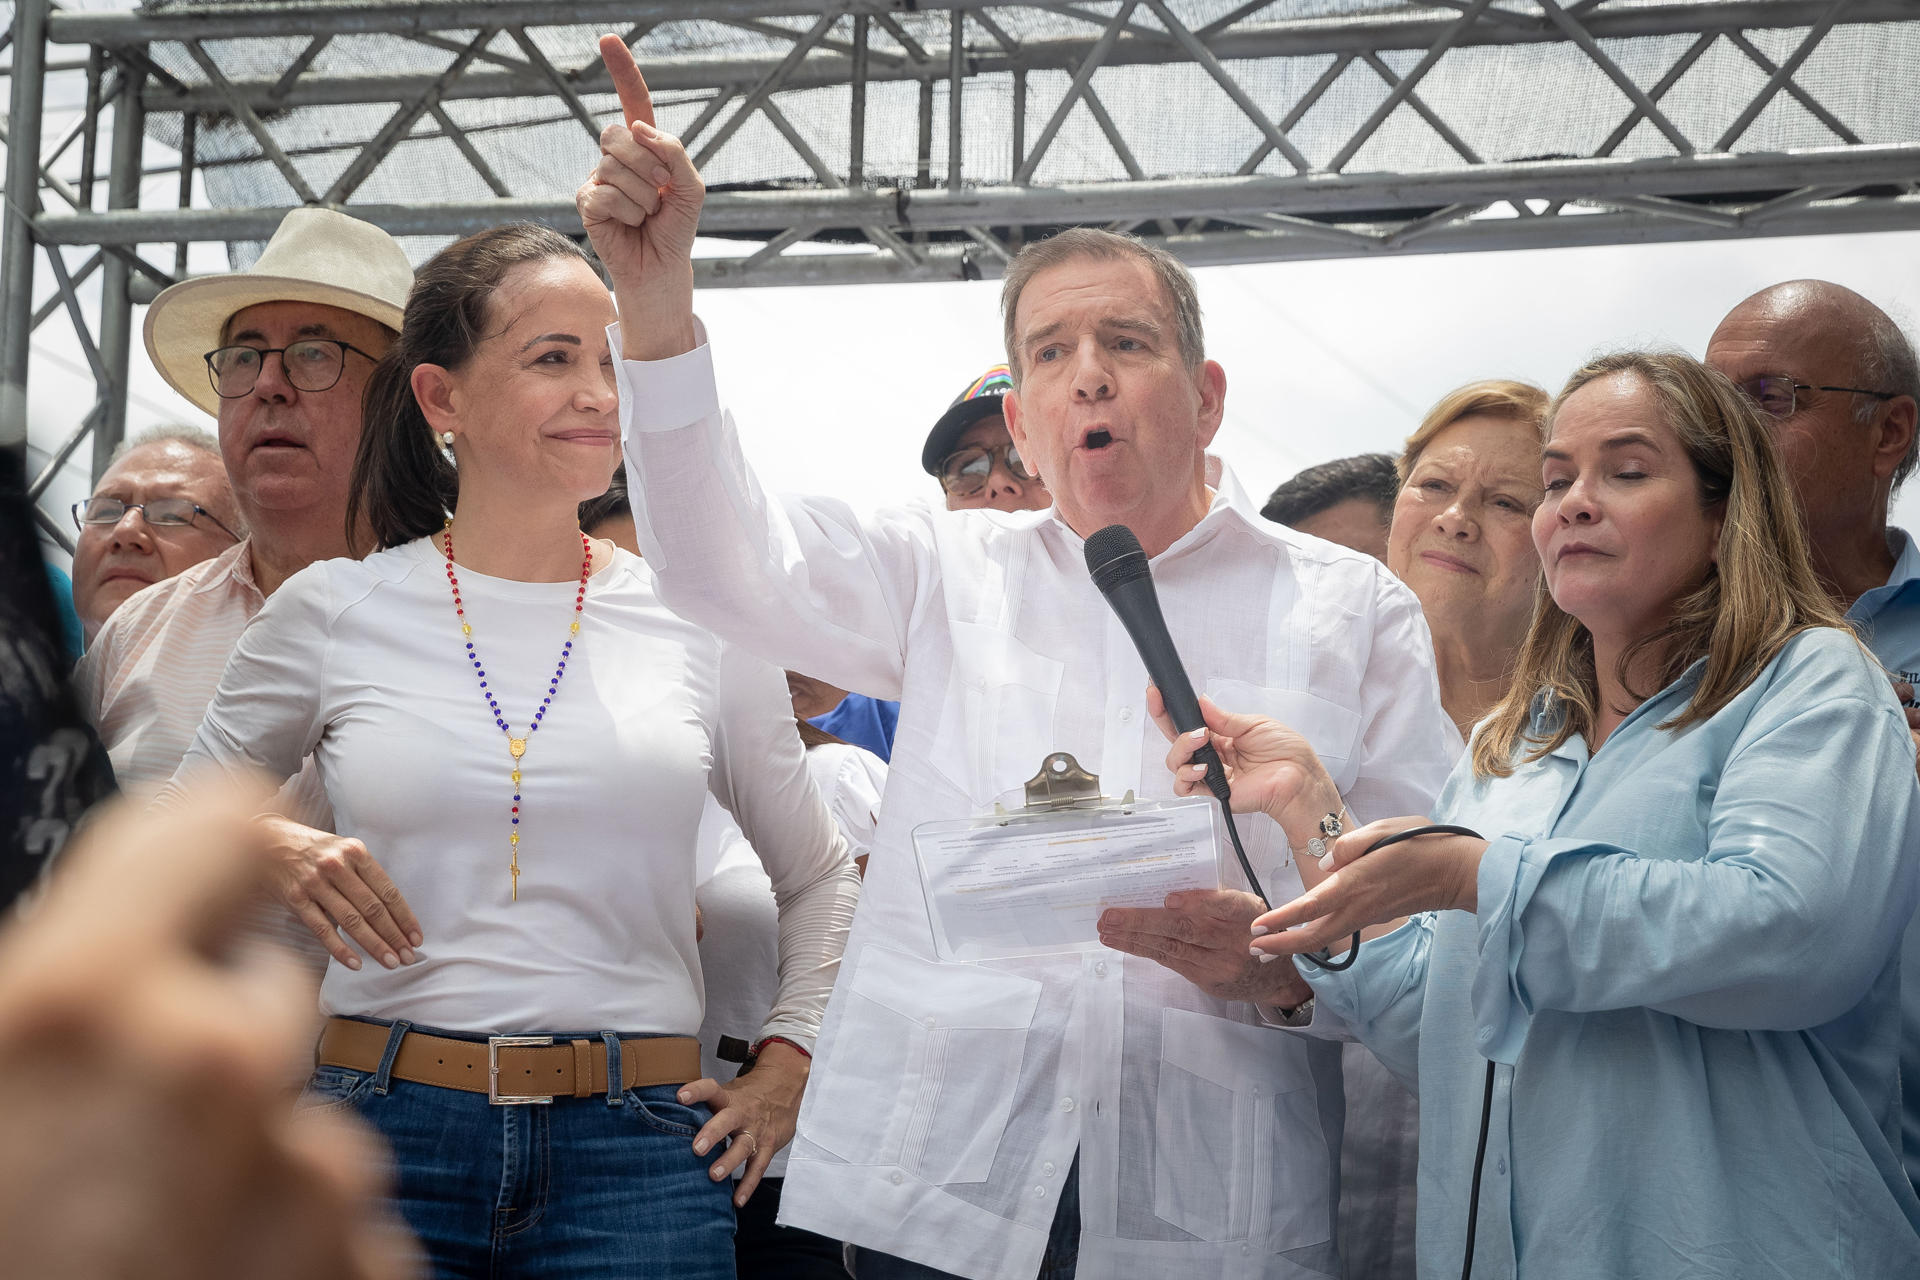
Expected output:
{"points": [[505, 715]]}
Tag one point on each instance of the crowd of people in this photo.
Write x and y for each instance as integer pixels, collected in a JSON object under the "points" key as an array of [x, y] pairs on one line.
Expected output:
{"points": [[470, 669]]}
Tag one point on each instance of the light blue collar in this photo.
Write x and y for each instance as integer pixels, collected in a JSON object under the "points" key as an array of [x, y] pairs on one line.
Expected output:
{"points": [[1905, 576]]}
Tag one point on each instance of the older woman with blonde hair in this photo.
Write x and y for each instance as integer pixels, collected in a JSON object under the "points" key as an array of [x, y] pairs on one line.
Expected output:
{"points": [[1653, 1015], [1461, 535]]}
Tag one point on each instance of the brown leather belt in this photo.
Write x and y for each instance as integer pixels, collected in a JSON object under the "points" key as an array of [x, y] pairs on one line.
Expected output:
{"points": [[511, 1069]]}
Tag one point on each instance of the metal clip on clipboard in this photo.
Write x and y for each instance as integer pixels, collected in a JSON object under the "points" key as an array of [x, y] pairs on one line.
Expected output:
{"points": [[1060, 784], [1033, 879]]}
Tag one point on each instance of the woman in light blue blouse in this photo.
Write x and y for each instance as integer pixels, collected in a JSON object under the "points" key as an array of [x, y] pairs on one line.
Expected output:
{"points": [[1676, 946]]}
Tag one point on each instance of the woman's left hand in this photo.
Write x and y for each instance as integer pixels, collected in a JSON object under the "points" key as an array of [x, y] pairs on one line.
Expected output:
{"points": [[1426, 873], [756, 1112]]}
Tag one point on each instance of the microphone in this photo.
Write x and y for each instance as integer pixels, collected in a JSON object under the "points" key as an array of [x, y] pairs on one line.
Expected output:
{"points": [[1120, 570]]}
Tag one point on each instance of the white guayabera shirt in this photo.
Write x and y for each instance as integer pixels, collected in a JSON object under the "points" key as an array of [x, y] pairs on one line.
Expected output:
{"points": [[948, 1101]]}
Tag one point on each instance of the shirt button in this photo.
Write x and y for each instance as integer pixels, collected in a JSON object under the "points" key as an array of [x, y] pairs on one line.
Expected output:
{"points": [[929, 1022], [1245, 1249], [1066, 1104], [1126, 715], [1256, 1093], [897, 1177], [1047, 1168], [1502, 1166], [1100, 969], [1039, 1193]]}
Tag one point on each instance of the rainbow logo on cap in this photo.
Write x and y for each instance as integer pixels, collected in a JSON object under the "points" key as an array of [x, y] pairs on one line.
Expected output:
{"points": [[996, 382]]}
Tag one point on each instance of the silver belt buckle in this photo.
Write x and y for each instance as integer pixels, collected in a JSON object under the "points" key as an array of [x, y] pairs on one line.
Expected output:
{"points": [[497, 1098]]}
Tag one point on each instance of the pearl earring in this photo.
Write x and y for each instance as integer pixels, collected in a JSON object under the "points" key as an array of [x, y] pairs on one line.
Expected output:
{"points": [[446, 438]]}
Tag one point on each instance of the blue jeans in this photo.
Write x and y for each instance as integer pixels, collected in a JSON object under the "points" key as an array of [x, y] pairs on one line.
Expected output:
{"points": [[604, 1186], [1059, 1262]]}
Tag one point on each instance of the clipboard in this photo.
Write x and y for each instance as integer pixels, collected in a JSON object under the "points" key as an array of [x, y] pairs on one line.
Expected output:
{"points": [[1033, 879]]}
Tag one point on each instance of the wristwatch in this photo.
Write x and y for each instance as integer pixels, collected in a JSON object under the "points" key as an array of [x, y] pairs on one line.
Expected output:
{"points": [[1330, 829]]}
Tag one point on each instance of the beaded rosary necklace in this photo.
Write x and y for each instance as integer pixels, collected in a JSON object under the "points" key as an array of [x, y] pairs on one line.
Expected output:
{"points": [[517, 747]]}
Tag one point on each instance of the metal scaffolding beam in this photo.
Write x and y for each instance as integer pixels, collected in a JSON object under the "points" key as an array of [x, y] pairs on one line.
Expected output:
{"points": [[1233, 248], [1349, 34], [1378, 195], [16, 223]]}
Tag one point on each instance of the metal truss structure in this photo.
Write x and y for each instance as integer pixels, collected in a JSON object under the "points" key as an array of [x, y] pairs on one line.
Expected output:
{"points": [[885, 140]]}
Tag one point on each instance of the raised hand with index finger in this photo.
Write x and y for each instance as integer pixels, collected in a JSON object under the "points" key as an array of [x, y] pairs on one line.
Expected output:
{"points": [[641, 209]]}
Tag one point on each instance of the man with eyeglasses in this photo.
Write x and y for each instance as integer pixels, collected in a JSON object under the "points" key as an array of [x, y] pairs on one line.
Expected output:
{"points": [[972, 455], [280, 355], [1841, 382], [162, 506]]}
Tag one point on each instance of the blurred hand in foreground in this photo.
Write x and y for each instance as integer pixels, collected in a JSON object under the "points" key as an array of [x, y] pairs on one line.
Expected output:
{"points": [[143, 1112]]}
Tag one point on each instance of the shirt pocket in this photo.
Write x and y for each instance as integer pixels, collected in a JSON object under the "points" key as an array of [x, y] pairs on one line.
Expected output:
{"points": [[1238, 1152], [925, 1063], [997, 725]]}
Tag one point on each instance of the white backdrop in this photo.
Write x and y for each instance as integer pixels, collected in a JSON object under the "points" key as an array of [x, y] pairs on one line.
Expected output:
{"points": [[835, 387]]}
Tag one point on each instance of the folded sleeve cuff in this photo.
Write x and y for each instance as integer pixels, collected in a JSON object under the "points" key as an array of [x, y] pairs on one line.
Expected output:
{"points": [[665, 395], [1352, 994], [1510, 872]]}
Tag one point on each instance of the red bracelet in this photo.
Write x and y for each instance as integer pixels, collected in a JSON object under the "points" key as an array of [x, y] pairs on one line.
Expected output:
{"points": [[801, 1049]]}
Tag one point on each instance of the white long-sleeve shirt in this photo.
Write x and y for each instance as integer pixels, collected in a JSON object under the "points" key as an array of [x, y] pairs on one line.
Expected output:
{"points": [[947, 1101], [737, 951], [361, 665]]}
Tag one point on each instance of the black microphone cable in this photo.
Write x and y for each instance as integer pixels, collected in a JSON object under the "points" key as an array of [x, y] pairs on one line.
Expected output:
{"points": [[1121, 571], [1221, 791]]}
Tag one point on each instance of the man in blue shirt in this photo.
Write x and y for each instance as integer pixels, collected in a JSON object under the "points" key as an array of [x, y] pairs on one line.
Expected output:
{"points": [[1841, 381]]}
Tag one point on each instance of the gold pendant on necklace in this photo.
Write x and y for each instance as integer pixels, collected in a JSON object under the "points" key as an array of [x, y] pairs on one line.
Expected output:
{"points": [[517, 747]]}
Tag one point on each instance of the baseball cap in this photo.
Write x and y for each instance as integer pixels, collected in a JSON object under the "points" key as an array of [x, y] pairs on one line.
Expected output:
{"points": [[980, 400]]}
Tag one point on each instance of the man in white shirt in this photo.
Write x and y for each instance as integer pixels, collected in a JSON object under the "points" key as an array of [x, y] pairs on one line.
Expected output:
{"points": [[279, 354], [1024, 1117]]}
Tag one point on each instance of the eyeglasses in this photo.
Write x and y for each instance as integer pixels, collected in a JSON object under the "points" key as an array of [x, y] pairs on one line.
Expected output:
{"points": [[965, 471], [1779, 396], [312, 364], [161, 513]]}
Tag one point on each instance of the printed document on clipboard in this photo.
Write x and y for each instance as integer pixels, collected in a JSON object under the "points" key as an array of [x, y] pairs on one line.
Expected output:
{"points": [[1034, 880]]}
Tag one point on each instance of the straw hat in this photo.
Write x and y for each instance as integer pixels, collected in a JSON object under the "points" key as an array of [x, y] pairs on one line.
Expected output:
{"points": [[317, 255]]}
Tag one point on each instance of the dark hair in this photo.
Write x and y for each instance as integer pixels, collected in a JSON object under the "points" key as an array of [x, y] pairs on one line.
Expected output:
{"points": [[611, 505], [1368, 476], [403, 482]]}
